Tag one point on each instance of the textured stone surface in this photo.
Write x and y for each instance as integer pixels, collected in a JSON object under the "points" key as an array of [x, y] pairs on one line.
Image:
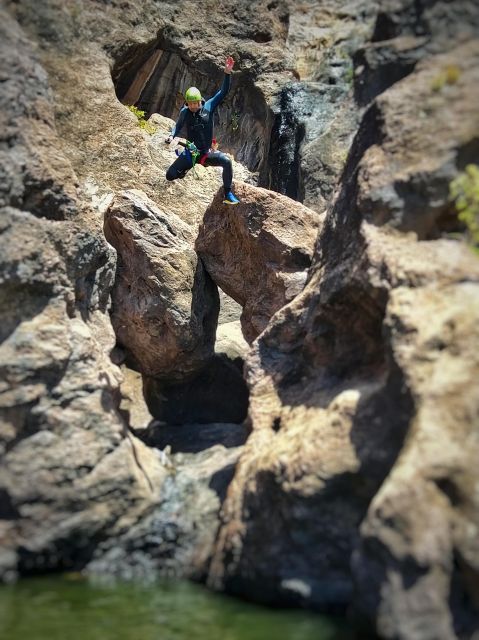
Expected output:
{"points": [[364, 384], [364, 408], [330, 406], [177, 537], [165, 307], [64, 446], [424, 130], [423, 523], [258, 252], [35, 174]]}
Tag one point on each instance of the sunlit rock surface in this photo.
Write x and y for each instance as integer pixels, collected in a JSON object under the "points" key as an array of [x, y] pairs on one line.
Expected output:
{"points": [[165, 306], [258, 252], [357, 485]]}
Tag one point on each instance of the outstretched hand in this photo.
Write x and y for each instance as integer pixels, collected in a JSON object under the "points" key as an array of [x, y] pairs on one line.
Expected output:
{"points": [[229, 64]]}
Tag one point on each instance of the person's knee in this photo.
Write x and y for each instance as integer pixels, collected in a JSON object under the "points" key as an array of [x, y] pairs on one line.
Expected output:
{"points": [[171, 174]]}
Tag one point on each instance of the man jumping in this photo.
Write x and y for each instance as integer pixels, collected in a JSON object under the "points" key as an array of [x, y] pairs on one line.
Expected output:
{"points": [[197, 116]]}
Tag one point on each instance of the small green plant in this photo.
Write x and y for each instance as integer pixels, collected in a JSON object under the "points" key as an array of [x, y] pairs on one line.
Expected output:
{"points": [[464, 190], [449, 75], [142, 123], [349, 75]]}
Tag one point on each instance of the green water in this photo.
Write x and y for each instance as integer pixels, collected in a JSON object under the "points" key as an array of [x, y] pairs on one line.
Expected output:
{"points": [[60, 608]]}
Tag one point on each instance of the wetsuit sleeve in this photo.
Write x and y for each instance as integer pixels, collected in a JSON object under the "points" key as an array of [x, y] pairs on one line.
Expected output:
{"points": [[179, 124], [213, 102]]}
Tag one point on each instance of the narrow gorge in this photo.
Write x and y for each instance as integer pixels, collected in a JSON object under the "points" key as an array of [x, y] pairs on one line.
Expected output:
{"points": [[278, 400]]}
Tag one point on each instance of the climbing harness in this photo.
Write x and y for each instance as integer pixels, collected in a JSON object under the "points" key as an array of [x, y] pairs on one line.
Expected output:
{"points": [[193, 153]]}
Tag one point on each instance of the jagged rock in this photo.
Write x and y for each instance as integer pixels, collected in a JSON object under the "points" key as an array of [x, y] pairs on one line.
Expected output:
{"points": [[404, 34], [165, 307], [379, 65], [443, 24], [177, 537], [315, 118], [63, 444], [324, 154], [60, 430], [344, 382], [258, 252], [421, 133], [330, 406], [419, 541], [35, 175]]}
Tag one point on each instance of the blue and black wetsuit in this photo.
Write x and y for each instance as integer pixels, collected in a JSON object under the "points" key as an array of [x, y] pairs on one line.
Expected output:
{"points": [[199, 129]]}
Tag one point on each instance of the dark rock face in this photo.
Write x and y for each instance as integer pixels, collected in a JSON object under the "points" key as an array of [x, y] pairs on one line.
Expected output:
{"points": [[216, 393], [286, 136], [381, 64], [406, 32], [315, 114]]}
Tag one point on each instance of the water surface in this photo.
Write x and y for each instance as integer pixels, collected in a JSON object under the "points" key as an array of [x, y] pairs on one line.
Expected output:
{"points": [[64, 608]]}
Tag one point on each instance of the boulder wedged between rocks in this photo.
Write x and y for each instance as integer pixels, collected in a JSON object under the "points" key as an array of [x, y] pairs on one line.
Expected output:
{"points": [[165, 307], [357, 485], [258, 251]]}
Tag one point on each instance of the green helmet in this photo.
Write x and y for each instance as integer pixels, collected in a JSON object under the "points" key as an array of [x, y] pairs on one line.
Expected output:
{"points": [[192, 94]]}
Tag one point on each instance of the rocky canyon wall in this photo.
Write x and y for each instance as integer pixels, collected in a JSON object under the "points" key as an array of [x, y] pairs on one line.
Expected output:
{"points": [[351, 483]]}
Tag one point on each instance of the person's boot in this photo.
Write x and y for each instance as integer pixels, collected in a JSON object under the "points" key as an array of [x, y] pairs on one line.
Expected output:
{"points": [[230, 198]]}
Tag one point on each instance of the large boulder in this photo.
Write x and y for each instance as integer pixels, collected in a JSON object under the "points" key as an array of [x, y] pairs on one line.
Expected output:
{"points": [[258, 252], [165, 306]]}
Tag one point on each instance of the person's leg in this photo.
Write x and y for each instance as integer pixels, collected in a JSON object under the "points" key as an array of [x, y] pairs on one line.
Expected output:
{"points": [[179, 167], [218, 159]]}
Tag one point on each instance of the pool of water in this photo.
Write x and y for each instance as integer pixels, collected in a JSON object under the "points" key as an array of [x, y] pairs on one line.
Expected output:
{"points": [[69, 608]]}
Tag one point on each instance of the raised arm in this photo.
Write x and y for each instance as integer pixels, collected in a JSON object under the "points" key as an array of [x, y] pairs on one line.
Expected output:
{"points": [[213, 102]]}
